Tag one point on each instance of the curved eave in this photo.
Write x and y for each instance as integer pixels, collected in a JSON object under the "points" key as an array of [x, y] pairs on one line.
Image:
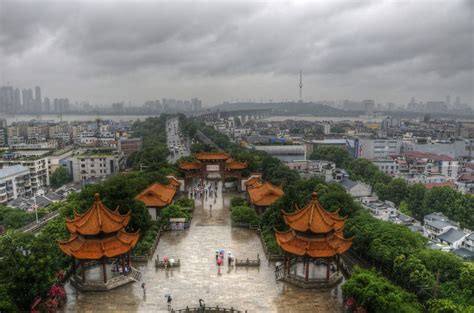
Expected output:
{"points": [[94, 249]]}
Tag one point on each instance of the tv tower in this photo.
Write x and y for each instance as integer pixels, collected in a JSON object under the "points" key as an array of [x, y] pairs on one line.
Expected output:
{"points": [[301, 86]]}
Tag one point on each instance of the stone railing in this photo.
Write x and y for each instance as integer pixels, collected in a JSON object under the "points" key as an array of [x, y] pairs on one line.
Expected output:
{"points": [[206, 309], [245, 225], [248, 262]]}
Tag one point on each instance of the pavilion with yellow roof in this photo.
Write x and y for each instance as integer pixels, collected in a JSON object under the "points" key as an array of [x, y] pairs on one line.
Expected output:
{"points": [[97, 237], [312, 245]]}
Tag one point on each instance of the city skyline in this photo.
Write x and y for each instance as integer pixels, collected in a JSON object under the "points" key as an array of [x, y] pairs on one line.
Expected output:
{"points": [[367, 50]]}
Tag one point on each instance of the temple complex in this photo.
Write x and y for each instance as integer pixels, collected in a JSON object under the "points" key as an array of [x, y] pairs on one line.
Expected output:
{"points": [[262, 194], [98, 237], [312, 245], [212, 165], [157, 196]]}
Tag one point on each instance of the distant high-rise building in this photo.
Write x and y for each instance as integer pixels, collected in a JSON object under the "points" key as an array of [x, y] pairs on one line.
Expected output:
{"points": [[196, 104], [37, 98], [436, 106], [61, 105], [27, 95], [448, 101], [457, 103], [46, 105], [16, 100], [369, 106], [117, 107], [6, 99]]}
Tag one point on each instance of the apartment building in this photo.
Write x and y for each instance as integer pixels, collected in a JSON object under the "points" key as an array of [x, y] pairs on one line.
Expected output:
{"points": [[14, 182], [95, 163]]}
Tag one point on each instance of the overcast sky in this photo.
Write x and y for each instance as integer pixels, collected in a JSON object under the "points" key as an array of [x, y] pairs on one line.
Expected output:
{"points": [[227, 51]]}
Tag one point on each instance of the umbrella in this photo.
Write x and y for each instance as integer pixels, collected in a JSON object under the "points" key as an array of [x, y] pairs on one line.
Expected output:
{"points": [[221, 251], [165, 258]]}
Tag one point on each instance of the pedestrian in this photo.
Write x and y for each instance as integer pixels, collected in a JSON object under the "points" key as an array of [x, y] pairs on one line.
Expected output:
{"points": [[217, 255], [144, 289], [229, 258], [219, 263], [210, 206], [165, 262], [168, 301]]}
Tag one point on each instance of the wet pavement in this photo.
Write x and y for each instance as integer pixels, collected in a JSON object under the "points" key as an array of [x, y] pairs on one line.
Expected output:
{"points": [[251, 289]]}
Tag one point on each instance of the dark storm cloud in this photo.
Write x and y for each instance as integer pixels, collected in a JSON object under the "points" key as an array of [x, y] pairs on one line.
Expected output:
{"points": [[387, 41]]}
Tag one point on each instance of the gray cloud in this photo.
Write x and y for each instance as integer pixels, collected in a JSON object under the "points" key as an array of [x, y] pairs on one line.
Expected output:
{"points": [[107, 51]]}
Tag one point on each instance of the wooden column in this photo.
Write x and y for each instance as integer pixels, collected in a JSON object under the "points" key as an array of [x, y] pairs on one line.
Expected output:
{"points": [[338, 261], [128, 259], [83, 271], [104, 270], [328, 265], [123, 264], [306, 269], [289, 263], [74, 266]]}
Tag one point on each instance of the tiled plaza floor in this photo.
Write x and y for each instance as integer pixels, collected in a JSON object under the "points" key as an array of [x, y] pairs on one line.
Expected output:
{"points": [[252, 289]]}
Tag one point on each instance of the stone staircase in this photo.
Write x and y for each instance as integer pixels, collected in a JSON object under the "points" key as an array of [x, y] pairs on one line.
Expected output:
{"points": [[279, 272], [135, 274]]}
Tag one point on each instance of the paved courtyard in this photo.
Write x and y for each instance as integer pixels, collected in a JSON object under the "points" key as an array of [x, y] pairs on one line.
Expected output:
{"points": [[252, 289]]}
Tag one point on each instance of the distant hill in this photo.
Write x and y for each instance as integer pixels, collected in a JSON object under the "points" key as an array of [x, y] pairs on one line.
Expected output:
{"points": [[287, 108]]}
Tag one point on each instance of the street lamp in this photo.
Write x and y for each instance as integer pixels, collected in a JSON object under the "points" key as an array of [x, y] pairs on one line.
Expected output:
{"points": [[36, 208]]}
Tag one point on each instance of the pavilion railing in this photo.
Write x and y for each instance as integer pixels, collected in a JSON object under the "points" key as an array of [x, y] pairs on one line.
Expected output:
{"points": [[207, 310]]}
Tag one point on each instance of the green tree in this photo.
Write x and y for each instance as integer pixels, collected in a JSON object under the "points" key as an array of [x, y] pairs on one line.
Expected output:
{"points": [[373, 292], [439, 199], [244, 214], [444, 306], [338, 155], [411, 273], [60, 177], [416, 194], [28, 266], [173, 211]]}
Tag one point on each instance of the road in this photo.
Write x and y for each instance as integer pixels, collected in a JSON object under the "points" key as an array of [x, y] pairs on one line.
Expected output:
{"points": [[176, 141]]}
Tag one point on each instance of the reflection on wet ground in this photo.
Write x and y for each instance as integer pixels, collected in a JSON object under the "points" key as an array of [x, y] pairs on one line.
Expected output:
{"points": [[252, 289]]}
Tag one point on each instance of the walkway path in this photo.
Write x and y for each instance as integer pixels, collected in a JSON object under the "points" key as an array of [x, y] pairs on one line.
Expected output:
{"points": [[252, 289]]}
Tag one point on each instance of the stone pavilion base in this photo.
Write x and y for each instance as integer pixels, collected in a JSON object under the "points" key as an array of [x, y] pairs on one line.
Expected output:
{"points": [[316, 283], [112, 283]]}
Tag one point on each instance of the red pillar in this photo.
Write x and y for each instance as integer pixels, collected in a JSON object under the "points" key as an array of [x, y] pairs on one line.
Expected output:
{"points": [[83, 271], [289, 263], [306, 269], [327, 268], [73, 266], [104, 270]]}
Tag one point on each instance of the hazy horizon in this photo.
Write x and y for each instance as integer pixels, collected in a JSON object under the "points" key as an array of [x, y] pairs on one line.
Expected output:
{"points": [[106, 52]]}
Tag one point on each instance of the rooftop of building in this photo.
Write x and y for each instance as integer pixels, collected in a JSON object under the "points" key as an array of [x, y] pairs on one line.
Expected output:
{"points": [[452, 235], [158, 195], [449, 184], [13, 170]]}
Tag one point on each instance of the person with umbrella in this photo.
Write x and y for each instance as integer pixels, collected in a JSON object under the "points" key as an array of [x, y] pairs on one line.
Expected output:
{"points": [[219, 263]]}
